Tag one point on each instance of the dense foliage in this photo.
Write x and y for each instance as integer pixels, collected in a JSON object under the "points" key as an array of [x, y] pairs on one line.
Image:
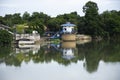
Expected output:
{"points": [[104, 25], [5, 37]]}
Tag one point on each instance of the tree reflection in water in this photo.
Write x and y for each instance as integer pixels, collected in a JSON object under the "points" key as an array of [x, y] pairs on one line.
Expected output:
{"points": [[64, 54]]}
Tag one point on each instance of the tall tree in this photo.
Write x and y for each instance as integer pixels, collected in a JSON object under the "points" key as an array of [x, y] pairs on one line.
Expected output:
{"points": [[92, 25], [90, 9]]}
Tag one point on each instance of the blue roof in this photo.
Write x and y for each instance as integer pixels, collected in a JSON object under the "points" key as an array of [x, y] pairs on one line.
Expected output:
{"points": [[68, 24]]}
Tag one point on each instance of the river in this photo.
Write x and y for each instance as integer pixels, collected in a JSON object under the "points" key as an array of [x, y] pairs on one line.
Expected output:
{"points": [[61, 61]]}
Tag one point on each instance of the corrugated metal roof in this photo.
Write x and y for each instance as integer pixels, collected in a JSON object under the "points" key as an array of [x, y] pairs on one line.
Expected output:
{"points": [[68, 24]]}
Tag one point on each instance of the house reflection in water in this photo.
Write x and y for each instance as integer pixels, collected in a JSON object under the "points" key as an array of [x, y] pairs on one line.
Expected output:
{"points": [[68, 54], [68, 50]]}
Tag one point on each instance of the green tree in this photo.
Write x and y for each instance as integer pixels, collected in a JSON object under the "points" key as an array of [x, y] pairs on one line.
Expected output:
{"points": [[16, 18], [1, 20], [5, 37], [40, 16], [38, 21], [38, 26], [26, 17], [44, 17], [8, 20], [111, 22], [54, 24], [92, 20], [81, 25], [90, 9], [71, 17]]}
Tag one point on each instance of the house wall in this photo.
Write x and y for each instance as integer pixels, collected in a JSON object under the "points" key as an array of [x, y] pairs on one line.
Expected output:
{"points": [[68, 29], [34, 37]]}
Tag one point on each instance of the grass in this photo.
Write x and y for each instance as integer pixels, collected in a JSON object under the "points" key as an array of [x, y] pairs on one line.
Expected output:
{"points": [[55, 41]]}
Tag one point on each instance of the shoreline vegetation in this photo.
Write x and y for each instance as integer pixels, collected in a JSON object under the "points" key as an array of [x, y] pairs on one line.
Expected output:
{"points": [[99, 26], [5, 37]]}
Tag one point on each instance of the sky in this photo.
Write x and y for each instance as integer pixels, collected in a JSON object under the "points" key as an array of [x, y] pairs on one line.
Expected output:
{"points": [[54, 7]]}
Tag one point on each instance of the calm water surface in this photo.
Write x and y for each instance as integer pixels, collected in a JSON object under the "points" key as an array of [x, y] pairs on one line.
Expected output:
{"points": [[61, 61]]}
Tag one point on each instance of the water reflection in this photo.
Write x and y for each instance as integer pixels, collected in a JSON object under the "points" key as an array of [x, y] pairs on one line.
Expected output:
{"points": [[28, 48], [68, 50], [63, 53]]}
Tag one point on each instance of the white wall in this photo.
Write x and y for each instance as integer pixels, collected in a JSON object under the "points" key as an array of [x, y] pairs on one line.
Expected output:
{"points": [[68, 29]]}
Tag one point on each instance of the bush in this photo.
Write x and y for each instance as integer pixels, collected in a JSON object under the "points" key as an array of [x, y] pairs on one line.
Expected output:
{"points": [[5, 37]]}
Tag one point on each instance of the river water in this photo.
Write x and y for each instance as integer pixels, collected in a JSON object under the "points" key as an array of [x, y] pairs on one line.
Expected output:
{"points": [[61, 61]]}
